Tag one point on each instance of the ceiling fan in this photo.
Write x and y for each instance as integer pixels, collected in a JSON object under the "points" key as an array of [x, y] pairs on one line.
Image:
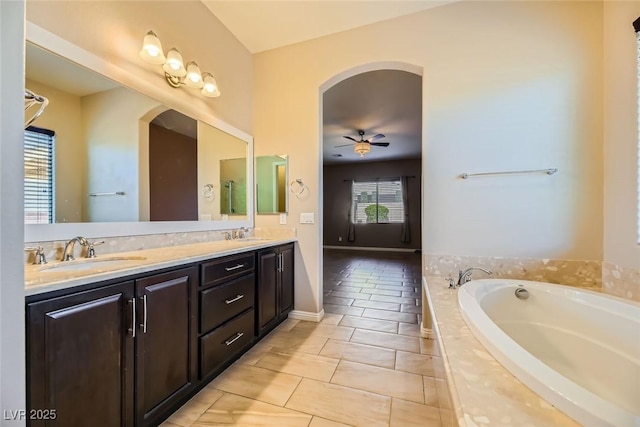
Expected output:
{"points": [[363, 146]]}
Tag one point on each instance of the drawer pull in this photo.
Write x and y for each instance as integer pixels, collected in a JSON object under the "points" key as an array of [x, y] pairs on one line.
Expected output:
{"points": [[234, 268], [234, 339], [230, 301]]}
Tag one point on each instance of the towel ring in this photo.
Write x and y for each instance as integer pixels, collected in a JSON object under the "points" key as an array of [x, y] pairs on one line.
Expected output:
{"points": [[207, 192], [297, 187]]}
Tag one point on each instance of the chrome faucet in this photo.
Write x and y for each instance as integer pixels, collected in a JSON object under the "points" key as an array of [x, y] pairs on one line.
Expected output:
{"points": [[67, 253], [465, 276]]}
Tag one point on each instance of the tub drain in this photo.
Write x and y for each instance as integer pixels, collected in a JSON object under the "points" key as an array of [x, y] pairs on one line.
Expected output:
{"points": [[522, 293]]}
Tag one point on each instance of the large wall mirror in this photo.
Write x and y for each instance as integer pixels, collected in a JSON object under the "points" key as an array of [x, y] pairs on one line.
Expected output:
{"points": [[272, 184], [124, 163]]}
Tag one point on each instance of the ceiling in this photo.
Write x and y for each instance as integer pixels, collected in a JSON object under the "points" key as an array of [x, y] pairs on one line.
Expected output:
{"points": [[358, 102], [393, 109]]}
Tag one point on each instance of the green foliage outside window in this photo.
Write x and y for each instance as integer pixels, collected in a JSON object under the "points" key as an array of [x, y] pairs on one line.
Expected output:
{"points": [[382, 214]]}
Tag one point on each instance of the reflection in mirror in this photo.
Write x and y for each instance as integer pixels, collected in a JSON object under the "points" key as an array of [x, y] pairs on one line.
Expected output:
{"points": [[271, 184], [119, 156]]}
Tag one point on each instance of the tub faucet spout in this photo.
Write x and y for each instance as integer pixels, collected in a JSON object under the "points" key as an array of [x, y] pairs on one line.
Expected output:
{"points": [[465, 276]]}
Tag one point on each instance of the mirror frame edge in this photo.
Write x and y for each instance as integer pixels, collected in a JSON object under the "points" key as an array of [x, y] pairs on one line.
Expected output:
{"points": [[62, 231]]}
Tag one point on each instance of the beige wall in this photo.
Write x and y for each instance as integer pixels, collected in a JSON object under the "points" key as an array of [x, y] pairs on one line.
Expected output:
{"points": [[111, 121], [64, 117], [620, 135], [215, 145], [507, 86], [114, 31]]}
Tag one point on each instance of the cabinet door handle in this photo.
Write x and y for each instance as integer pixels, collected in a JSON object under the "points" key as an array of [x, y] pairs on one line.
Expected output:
{"points": [[281, 262], [230, 301], [234, 268], [144, 314], [133, 317], [234, 339]]}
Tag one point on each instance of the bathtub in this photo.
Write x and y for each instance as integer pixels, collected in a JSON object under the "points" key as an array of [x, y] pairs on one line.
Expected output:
{"points": [[577, 349]]}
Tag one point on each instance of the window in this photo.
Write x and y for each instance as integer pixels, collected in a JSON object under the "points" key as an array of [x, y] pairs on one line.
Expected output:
{"points": [[377, 202], [38, 175]]}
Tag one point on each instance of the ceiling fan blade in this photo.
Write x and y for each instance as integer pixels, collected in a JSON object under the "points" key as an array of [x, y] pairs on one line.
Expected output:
{"points": [[376, 137], [344, 145], [380, 144], [348, 137]]}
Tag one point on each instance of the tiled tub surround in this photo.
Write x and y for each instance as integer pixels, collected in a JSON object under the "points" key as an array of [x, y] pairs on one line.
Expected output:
{"points": [[483, 392], [45, 278], [53, 249], [621, 282], [587, 274]]}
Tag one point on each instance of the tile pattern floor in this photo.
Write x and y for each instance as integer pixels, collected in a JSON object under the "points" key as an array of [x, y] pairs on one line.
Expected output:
{"points": [[363, 365]]}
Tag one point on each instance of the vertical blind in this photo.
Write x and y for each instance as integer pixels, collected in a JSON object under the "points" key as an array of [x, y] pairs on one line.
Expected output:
{"points": [[377, 202], [38, 175]]}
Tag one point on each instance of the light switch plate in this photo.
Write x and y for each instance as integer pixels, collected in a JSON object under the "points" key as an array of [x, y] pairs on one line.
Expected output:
{"points": [[283, 218], [307, 218]]}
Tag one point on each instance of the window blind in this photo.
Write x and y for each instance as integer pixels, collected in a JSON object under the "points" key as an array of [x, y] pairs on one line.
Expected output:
{"points": [[38, 175], [377, 202]]}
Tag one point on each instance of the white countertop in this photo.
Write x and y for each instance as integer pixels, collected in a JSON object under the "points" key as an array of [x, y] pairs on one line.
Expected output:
{"points": [[45, 278], [483, 392]]}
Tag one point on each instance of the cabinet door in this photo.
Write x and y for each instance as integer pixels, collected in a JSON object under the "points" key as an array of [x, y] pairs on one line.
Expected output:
{"points": [[267, 288], [166, 355], [286, 280], [80, 358]]}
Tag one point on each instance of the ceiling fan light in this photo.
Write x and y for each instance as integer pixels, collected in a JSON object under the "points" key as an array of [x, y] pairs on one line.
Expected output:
{"points": [[152, 49], [361, 148]]}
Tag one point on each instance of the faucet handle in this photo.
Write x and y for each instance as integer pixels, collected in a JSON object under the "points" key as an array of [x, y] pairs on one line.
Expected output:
{"points": [[38, 257], [227, 235], [91, 252], [451, 284]]}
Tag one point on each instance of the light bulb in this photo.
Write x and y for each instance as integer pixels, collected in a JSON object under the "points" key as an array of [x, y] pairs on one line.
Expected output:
{"points": [[210, 87], [194, 78], [174, 64], [152, 49]]}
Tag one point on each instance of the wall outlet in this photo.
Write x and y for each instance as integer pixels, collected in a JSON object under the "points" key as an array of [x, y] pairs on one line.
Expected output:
{"points": [[307, 218], [283, 218], [340, 239], [225, 217]]}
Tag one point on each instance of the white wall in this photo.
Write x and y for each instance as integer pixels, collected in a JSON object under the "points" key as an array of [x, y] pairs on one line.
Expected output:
{"points": [[621, 134], [506, 86], [12, 338]]}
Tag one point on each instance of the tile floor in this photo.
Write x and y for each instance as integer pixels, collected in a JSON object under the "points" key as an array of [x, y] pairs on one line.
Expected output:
{"points": [[363, 365]]}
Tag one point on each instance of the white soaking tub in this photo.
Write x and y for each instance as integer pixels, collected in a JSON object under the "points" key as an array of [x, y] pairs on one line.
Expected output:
{"points": [[579, 350]]}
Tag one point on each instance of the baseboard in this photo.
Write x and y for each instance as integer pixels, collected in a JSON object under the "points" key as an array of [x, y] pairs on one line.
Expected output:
{"points": [[367, 248], [306, 315], [427, 333]]}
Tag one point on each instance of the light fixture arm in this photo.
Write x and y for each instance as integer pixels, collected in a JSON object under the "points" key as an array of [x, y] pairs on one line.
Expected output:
{"points": [[173, 80]]}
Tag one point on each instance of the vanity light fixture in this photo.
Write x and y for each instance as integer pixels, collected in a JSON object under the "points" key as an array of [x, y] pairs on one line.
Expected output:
{"points": [[362, 148], [175, 72]]}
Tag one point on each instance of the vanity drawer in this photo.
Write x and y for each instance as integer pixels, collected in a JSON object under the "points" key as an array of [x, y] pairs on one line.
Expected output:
{"points": [[220, 303], [226, 268], [225, 342]]}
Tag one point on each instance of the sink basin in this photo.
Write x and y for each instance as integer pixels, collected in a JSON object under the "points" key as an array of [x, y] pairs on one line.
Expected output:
{"points": [[90, 264]]}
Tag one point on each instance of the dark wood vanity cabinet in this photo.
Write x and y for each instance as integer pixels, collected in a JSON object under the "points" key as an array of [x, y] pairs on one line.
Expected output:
{"points": [[166, 348], [93, 355], [130, 352], [81, 358], [227, 298], [274, 287]]}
